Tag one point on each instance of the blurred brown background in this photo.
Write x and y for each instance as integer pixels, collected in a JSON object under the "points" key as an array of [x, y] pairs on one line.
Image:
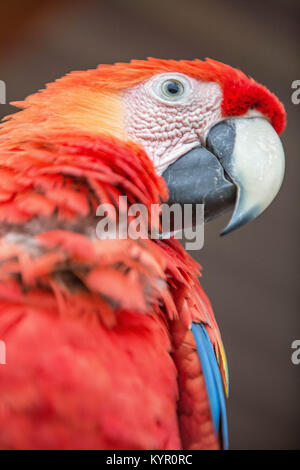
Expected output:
{"points": [[251, 276]]}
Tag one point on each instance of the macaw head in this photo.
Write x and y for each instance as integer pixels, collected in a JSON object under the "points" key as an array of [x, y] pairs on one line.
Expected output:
{"points": [[210, 131]]}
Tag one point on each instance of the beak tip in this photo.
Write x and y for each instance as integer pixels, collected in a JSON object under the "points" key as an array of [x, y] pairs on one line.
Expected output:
{"points": [[237, 221], [227, 230]]}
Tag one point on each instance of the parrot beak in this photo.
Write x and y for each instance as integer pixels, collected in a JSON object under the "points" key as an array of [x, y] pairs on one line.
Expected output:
{"points": [[242, 166]]}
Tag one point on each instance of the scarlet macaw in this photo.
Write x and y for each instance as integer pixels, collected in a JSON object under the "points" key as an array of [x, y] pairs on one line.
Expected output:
{"points": [[112, 344]]}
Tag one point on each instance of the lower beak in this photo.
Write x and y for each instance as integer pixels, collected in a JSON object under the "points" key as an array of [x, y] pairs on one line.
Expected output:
{"points": [[242, 166]]}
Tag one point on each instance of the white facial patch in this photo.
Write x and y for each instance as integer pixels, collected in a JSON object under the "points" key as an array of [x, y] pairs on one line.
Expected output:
{"points": [[168, 126]]}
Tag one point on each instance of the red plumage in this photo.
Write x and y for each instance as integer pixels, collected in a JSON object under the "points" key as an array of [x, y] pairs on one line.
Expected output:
{"points": [[90, 324], [99, 348]]}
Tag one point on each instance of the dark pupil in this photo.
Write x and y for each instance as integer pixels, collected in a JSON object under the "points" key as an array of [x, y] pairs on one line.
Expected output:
{"points": [[173, 88]]}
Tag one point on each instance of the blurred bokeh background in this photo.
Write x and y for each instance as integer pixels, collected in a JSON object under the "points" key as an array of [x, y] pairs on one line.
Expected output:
{"points": [[251, 276]]}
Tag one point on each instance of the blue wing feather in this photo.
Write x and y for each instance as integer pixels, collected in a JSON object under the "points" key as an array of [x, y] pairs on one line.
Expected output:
{"points": [[213, 381]]}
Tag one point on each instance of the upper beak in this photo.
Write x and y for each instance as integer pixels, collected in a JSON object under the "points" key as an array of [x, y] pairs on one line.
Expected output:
{"points": [[243, 163]]}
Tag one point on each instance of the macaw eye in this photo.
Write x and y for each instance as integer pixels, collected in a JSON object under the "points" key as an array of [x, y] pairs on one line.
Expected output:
{"points": [[172, 88]]}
